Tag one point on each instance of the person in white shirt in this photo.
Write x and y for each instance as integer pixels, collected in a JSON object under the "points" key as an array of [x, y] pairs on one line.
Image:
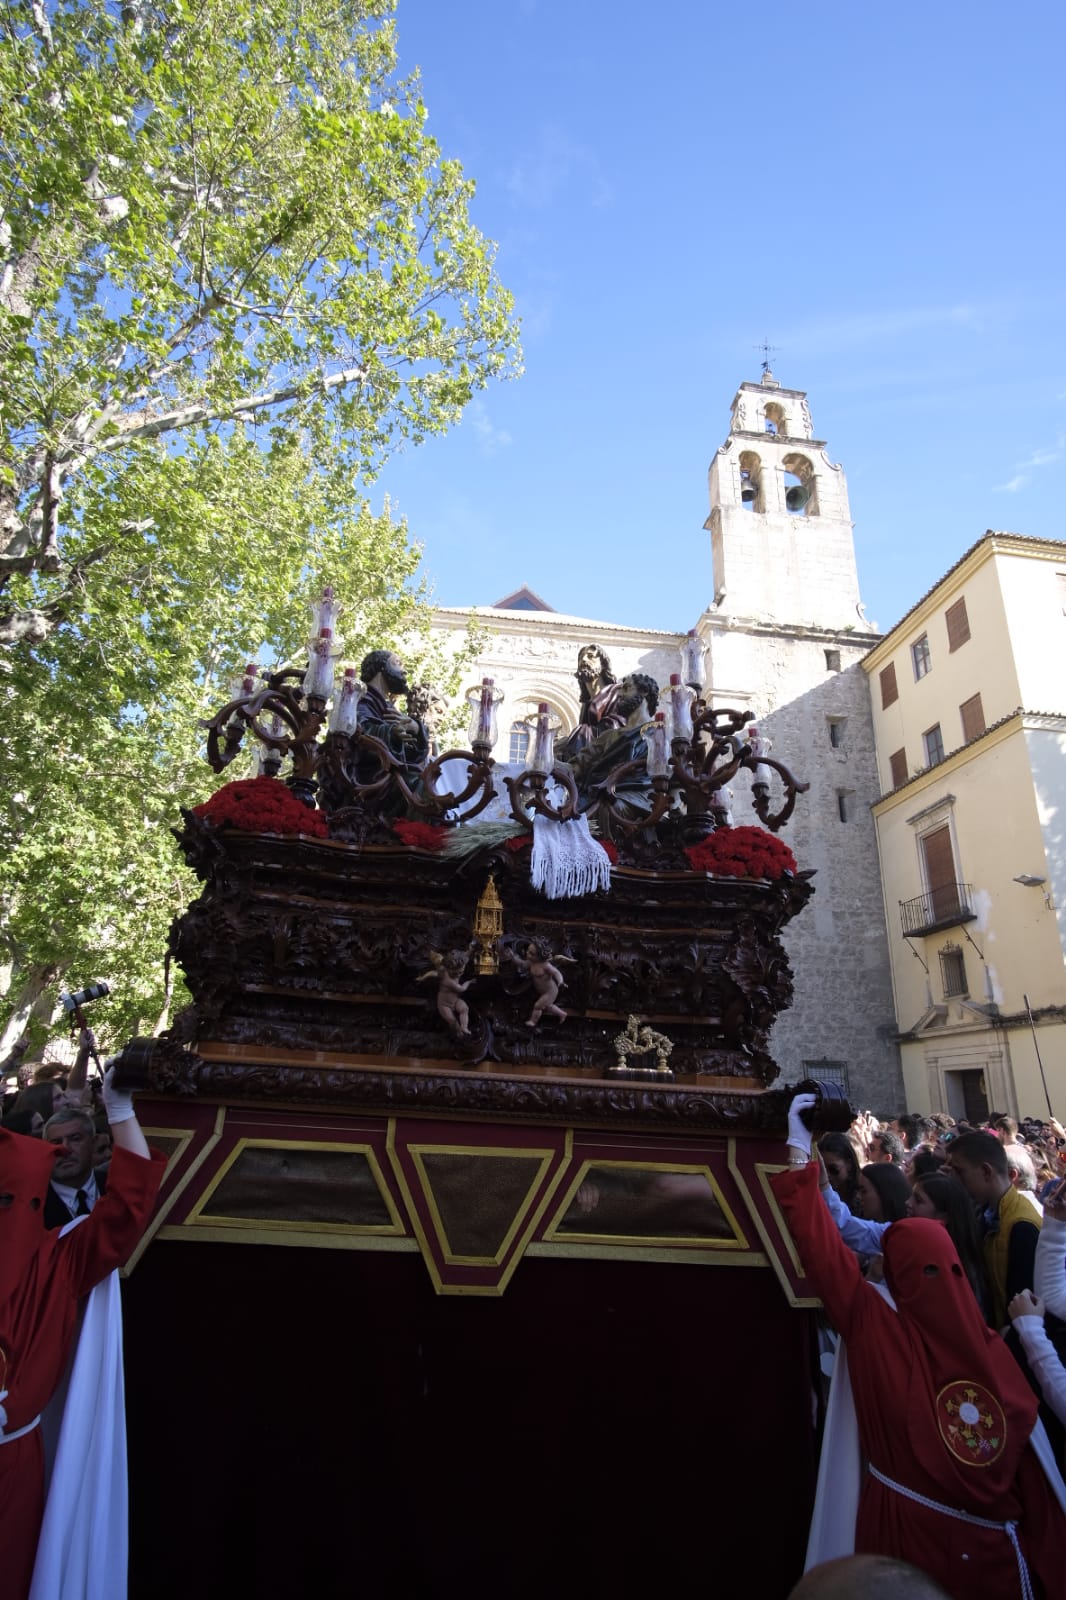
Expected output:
{"points": [[1027, 1309], [74, 1189]]}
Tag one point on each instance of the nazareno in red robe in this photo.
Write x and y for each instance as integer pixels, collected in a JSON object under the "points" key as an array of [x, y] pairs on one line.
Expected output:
{"points": [[42, 1278], [942, 1407]]}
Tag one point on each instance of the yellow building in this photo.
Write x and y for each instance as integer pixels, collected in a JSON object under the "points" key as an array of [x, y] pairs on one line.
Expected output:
{"points": [[969, 710]]}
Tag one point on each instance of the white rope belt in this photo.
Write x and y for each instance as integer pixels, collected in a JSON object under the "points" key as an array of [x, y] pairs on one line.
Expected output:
{"points": [[1009, 1528], [9, 1438]]}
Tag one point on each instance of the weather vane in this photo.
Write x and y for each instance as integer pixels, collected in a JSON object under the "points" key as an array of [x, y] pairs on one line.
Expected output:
{"points": [[768, 350]]}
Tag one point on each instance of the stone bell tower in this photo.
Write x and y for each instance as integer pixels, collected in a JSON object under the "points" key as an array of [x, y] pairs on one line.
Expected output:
{"points": [[787, 634], [781, 531]]}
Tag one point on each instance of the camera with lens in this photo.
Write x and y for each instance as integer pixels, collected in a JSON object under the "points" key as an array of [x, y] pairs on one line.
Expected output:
{"points": [[92, 991]]}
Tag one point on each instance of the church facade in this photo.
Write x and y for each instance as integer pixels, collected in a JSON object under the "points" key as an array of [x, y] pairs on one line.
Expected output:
{"points": [[785, 636]]}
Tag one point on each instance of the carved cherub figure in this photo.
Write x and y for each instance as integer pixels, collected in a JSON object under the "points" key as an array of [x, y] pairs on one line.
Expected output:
{"points": [[545, 976], [448, 969]]}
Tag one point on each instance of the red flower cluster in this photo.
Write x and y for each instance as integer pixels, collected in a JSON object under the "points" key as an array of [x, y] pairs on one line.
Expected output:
{"points": [[420, 835], [519, 841], [610, 849], [741, 853], [262, 805]]}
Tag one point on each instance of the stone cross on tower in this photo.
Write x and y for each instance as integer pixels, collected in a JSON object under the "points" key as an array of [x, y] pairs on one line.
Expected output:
{"points": [[781, 531]]}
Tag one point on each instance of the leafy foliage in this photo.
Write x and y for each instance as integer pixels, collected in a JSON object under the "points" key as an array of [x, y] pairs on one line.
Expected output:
{"points": [[99, 736], [221, 212], [235, 272]]}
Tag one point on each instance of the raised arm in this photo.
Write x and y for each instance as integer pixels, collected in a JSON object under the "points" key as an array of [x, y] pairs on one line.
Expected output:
{"points": [[832, 1268], [1027, 1314], [106, 1238], [1050, 1270], [861, 1236]]}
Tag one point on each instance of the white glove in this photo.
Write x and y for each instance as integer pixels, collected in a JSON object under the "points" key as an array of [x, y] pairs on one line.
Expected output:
{"points": [[799, 1135], [118, 1103]]}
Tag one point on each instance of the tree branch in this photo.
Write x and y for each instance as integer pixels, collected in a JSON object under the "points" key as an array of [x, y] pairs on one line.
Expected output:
{"points": [[194, 415]]}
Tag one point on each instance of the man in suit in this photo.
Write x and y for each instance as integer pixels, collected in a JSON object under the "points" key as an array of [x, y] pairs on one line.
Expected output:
{"points": [[75, 1187]]}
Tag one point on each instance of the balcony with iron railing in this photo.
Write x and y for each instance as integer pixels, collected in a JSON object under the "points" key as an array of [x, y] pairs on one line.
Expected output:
{"points": [[944, 907]]}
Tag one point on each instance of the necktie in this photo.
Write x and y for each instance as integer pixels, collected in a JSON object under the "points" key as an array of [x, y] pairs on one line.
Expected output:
{"points": [[81, 1209]]}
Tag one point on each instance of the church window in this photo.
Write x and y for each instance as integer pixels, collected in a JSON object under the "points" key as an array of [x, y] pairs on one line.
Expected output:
{"points": [[774, 419], [958, 624], [921, 657], [801, 489], [826, 1071], [889, 691], [518, 745], [751, 495], [933, 741], [973, 718], [832, 661], [953, 971], [844, 804], [836, 731]]}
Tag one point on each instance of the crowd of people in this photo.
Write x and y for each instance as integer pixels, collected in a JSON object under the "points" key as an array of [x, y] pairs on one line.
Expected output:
{"points": [[938, 1250]]}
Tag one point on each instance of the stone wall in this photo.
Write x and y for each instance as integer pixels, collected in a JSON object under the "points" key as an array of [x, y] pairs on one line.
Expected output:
{"points": [[843, 1008]]}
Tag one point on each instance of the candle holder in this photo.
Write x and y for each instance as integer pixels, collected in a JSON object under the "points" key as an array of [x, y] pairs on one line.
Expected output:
{"points": [[483, 701], [692, 781], [529, 791]]}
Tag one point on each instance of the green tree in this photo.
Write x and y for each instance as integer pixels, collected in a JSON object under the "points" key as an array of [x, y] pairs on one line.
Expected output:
{"points": [[100, 742], [215, 212], [235, 272]]}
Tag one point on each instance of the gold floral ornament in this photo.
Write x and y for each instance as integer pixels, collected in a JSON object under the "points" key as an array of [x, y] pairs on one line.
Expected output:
{"points": [[971, 1422]]}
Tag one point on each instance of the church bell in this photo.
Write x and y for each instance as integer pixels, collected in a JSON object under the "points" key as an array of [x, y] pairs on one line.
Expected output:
{"points": [[797, 497]]}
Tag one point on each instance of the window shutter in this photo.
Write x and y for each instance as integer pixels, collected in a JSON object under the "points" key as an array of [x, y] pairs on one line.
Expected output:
{"points": [[940, 873], [897, 762], [973, 718], [889, 692], [958, 624]]}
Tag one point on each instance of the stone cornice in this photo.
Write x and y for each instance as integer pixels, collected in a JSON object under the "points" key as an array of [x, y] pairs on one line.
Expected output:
{"points": [[778, 438], [555, 623], [852, 637], [1015, 722]]}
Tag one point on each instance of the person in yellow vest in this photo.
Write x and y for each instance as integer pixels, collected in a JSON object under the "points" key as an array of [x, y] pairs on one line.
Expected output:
{"points": [[1009, 1224]]}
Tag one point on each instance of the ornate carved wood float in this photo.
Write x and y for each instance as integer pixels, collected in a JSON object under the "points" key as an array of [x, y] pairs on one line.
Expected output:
{"points": [[312, 1028]]}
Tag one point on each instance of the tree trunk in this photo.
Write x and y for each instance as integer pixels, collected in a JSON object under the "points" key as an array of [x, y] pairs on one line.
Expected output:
{"points": [[35, 985]]}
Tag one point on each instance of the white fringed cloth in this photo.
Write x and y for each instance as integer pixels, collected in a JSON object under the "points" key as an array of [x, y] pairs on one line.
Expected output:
{"points": [[82, 1552], [567, 861]]}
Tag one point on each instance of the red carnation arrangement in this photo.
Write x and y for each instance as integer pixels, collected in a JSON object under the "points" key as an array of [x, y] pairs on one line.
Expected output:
{"points": [[261, 805], [420, 835], [519, 841], [741, 853], [610, 850]]}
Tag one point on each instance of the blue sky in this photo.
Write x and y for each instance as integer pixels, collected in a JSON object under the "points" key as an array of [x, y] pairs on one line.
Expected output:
{"points": [[877, 190]]}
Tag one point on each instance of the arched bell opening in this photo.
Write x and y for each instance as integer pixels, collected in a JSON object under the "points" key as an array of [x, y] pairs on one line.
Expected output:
{"points": [[801, 487], [774, 419], [751, 492]]}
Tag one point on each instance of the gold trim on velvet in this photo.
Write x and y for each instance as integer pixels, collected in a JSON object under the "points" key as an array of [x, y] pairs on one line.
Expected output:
{"points": [[394, 1227], [450, 1257], [764, 1170], [671, 1241], [440, 1284], [163, 1211], [207, 1233], [184, 1136], [557, 1249]]}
